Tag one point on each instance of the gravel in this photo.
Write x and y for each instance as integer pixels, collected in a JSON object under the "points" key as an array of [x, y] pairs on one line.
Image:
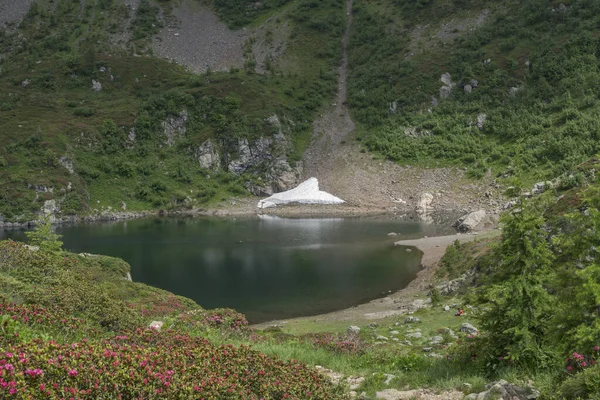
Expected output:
{"points": [[199, 40], [13, 11]]}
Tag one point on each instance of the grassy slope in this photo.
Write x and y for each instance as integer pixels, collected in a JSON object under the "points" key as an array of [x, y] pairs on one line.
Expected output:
{"points": [[399, 50], [57, 114]]}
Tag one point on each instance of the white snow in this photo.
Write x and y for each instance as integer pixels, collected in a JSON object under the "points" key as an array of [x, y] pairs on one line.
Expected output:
{"points": [[305, 193]]}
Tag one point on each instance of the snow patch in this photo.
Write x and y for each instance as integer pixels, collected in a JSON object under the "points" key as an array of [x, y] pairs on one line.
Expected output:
{"points": [[305, 193]]}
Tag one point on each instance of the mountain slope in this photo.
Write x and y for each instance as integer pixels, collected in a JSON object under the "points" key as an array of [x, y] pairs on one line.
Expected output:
{"points": [[93, 123]]}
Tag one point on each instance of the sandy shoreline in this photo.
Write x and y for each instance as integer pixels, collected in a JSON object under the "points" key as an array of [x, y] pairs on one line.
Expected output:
{"points": [[398, 303]]}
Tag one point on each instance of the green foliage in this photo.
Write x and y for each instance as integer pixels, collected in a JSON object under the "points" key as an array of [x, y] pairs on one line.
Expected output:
{"points": [[519, 309], [584, 385], [399, 50], [237, 13], [577, 280], [115, 139], [146, 21], [44, 237]]}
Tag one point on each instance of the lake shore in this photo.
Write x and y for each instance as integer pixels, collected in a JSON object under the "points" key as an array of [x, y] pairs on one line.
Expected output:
{"points": [[403, 301]]}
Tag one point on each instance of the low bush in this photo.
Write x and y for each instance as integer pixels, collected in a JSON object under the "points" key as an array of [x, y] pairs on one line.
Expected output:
{"points": [[149, 364]]}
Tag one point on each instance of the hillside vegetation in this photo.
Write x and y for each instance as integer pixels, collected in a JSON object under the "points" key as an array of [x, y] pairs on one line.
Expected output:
{"points": [[136, 142], [521, 98], [534, 299]]}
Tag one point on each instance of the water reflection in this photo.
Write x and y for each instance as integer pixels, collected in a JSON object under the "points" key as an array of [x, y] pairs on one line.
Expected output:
{"points": [[266, 267]]}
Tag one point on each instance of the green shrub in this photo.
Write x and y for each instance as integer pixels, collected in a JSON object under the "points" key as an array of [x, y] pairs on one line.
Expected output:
{"points": [[83, 112], [582, 385], [44, 236]]}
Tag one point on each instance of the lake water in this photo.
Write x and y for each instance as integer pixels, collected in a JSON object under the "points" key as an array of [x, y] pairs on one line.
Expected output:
{"points": [[268, 268]]}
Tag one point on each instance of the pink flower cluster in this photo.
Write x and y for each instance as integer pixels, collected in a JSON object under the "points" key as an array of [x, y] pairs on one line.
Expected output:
{"points": [[577, 362]]}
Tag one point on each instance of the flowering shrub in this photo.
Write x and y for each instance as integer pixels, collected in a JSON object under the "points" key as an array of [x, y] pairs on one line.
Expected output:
{"points": [[222, 318], [40, 319], [578, 362], [148, 364]]}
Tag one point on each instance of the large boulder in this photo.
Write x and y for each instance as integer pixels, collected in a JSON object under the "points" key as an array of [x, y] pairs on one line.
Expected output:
{"points": [[470, 221], [353, 330], [469, 329]]}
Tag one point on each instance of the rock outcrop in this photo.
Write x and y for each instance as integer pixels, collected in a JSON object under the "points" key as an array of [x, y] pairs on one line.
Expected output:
{"points": [[208, 155], [174, 127], [503, 390], [471, 221]]}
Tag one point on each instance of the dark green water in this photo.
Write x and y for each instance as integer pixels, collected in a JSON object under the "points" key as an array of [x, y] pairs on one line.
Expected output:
{"points": [[267, 268]]}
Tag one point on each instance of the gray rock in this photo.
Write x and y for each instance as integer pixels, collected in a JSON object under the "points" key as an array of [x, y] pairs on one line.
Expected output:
{"points": [[406, 342], [446, 79], [487, 62], [68, 164], [412, 320], [435, 102], [436, 340], [446, 308], [415, 132], [96, 85], [353, 330], [392, 234], [541, 187], [445, 92], [452, 286], [354, 382], [174, 127], [503, 390], [394, 333], [25, 83], [415, 335], [468, 89], [373, 325], [208, 156], [469, 329], [513, 91], [427, 349], [474, 83], [471, 221], [379, 337], [50, 208], [481, 120]]}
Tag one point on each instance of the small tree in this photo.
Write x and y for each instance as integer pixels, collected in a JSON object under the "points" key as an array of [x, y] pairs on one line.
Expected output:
{"points": [[44, 237], [518, 308]]}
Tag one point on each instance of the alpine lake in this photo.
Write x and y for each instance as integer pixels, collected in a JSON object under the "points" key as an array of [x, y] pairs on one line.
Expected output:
{"points": [[264, 266]]}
